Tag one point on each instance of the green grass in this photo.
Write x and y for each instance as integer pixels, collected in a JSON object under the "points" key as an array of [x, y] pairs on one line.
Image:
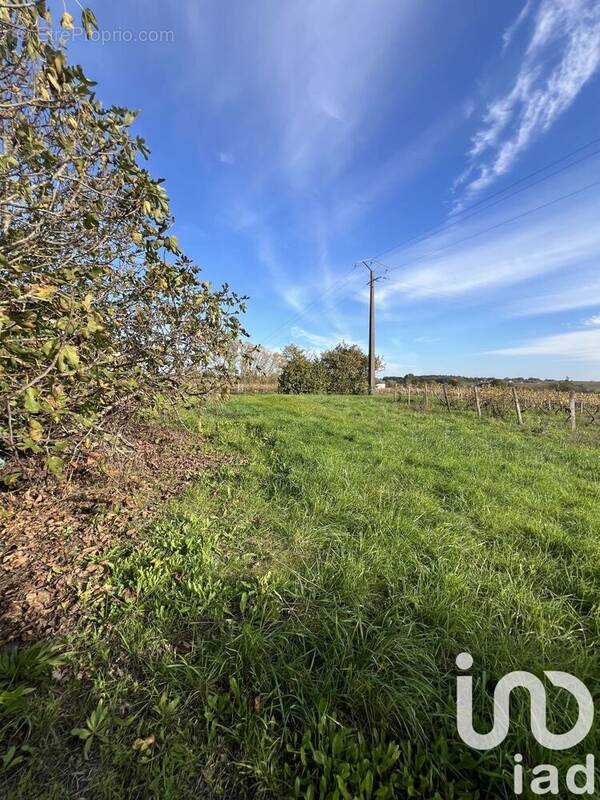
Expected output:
{"points": [[289, 627]]}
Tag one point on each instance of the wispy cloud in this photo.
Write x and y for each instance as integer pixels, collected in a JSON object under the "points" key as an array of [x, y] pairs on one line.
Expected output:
{"points": [[292, 294], [567, 294], [575, 345], [459, 262], [593, 321], [318, 342], [301, 78], [226, 158], [512, 29], [563, 53]]}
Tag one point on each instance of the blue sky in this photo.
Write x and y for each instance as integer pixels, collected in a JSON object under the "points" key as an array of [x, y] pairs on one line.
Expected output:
{"points": [[297, 137]]}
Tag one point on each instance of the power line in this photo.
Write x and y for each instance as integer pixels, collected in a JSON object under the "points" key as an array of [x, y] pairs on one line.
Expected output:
{"points": [[461, 216], [498, 225], [535, 172], [337, 285]]}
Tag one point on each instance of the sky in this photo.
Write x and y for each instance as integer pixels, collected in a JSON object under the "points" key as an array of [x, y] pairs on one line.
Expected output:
{"points": [[456, 143]]}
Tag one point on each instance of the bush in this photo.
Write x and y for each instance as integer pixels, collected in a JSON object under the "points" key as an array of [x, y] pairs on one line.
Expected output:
{"points": [[343, 370], [99, 309], [347, 369], [302, 375]]}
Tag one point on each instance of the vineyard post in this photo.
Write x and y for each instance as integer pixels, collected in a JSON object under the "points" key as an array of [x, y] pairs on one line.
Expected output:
{"points": [[477, 403], [426, 397], [572, 411], [517, 406], [446, 396], [409, 387]]}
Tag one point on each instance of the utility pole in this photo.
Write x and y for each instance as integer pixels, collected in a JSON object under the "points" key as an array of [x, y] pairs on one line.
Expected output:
{"points": [[372, 280]]}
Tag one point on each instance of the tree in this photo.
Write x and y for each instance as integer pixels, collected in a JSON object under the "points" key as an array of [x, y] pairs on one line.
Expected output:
{"points": [[343, 370], [565, 385], [347, 369], [291, 351], [302, 375], [257, 365], [99, 308]]}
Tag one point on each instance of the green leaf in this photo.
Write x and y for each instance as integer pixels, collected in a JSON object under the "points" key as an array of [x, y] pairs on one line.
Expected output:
{"points": [[342, 787], [11, 478], [129, 118], [69, 355], [56, 466], [81, 733], [53, 81], [89, 22], [171, 244], [30, 400], [11, 759]]}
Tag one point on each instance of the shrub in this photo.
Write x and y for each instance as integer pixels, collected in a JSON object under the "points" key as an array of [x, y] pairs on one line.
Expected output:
{"points": [[347, 369], [302, 375], [343, 370]]}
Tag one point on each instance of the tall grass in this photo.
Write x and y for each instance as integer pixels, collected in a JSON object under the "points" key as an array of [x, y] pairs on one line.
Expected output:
{"points": [[289, 628]]}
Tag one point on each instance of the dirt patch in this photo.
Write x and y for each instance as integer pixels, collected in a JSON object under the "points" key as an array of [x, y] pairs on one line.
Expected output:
{"points": [[52, 534]]}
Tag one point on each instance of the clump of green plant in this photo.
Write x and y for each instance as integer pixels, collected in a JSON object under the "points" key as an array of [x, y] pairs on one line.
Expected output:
{"points": [[100, 311], [94, 728], [342, 370], [334, 762], [21, 671], [302, 374]]}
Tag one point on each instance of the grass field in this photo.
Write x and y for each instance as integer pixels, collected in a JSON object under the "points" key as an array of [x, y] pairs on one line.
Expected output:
{"points": [[290, 627]]}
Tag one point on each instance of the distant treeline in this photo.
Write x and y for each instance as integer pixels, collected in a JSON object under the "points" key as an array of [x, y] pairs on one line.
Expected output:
{"points": [[455, 380]]}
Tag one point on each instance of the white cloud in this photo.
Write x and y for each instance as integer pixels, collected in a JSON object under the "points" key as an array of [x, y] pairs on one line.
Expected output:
{"points": [[301, 80], [563, 237], [396, 368], [316, 341], [293, 296], [566, 295], [562, 55], [593, 321], [576, 345], [510, 32]]}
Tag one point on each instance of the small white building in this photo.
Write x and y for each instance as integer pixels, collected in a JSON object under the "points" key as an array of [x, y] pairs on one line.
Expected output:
{"points": [[379, 387]]}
